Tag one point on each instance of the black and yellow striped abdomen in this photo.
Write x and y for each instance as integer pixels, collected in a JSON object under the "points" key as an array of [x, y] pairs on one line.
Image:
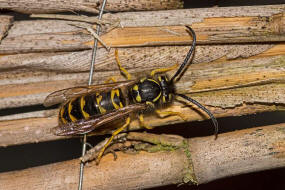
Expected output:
{"points": [[90, 105]]}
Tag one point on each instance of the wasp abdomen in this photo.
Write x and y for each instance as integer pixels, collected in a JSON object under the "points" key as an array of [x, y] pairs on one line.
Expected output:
{"points": [[63, 114], [74, 110], [71, 111], [89, 106], [84, 107]]}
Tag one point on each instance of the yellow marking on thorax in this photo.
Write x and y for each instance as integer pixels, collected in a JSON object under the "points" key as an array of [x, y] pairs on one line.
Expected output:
{"points": [[157, 98], [138, 98], [136, 88], [113, 92], [82, 104], [98, 100], [154, 100], [61, 115], [73, 119]]}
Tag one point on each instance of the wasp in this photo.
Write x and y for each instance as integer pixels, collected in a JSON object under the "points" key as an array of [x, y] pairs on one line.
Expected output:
{"points": [[86, 108]]}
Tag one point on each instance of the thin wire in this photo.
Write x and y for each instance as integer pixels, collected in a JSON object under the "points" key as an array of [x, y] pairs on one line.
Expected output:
{"points": [[95, 45], [89, 83]]}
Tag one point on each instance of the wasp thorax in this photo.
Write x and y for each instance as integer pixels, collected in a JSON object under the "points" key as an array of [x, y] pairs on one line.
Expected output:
{"points": [[152, 90]]}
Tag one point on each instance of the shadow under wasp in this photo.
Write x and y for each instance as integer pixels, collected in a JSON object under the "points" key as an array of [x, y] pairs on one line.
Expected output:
{"points": [[86, 108]]}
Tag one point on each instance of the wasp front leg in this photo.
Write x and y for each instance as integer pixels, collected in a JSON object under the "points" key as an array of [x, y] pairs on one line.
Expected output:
{"points": [[163, 70], [142, 123]]}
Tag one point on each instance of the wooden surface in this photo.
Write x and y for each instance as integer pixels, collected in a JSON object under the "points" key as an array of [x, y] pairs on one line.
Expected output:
{"points": [[232, 76], [91, 6], [242, 26], [132, 58], [227, 87], [238, 69], [5, 23], [233, 153], [238, 152], [34, 129]]}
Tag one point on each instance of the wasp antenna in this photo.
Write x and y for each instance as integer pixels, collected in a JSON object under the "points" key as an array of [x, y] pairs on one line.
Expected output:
{"points": [[214, 120], [188, 56]]}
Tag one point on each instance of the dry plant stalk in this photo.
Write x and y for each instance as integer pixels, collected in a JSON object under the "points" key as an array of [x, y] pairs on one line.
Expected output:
{"points": [[234, 80], [197, 160], [242, 88], [5, 23], [92, 6], [228, 87], [81, 18], [232, 77], [34, 130], [239, 25]]}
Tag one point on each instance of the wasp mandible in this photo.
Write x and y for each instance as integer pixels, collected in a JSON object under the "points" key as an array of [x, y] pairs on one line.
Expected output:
{"points": [[85, 108]]}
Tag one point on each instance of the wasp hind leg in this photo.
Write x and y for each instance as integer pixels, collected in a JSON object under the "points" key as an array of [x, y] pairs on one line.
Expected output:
{"points": [[128, 120], [122, 69], [163, 114]]}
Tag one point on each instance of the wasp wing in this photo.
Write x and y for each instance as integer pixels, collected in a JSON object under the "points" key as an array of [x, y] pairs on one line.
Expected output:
{"points": [[85, 126], [63, 95]]}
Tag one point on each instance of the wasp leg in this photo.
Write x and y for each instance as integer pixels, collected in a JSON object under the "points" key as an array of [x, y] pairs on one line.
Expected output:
{"points": [[142, 123], [110, 79], [163, 114], [150, 104], [122, 69], [92, 153], [163, 70], [141, 119], [128, 120]]}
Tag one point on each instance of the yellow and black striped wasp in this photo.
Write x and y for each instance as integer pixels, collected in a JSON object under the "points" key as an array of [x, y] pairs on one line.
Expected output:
{"points": [[86, 108]]}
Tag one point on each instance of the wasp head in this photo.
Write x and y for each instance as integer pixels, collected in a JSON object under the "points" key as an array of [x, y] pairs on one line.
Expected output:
{"points": [[167, 89]]}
